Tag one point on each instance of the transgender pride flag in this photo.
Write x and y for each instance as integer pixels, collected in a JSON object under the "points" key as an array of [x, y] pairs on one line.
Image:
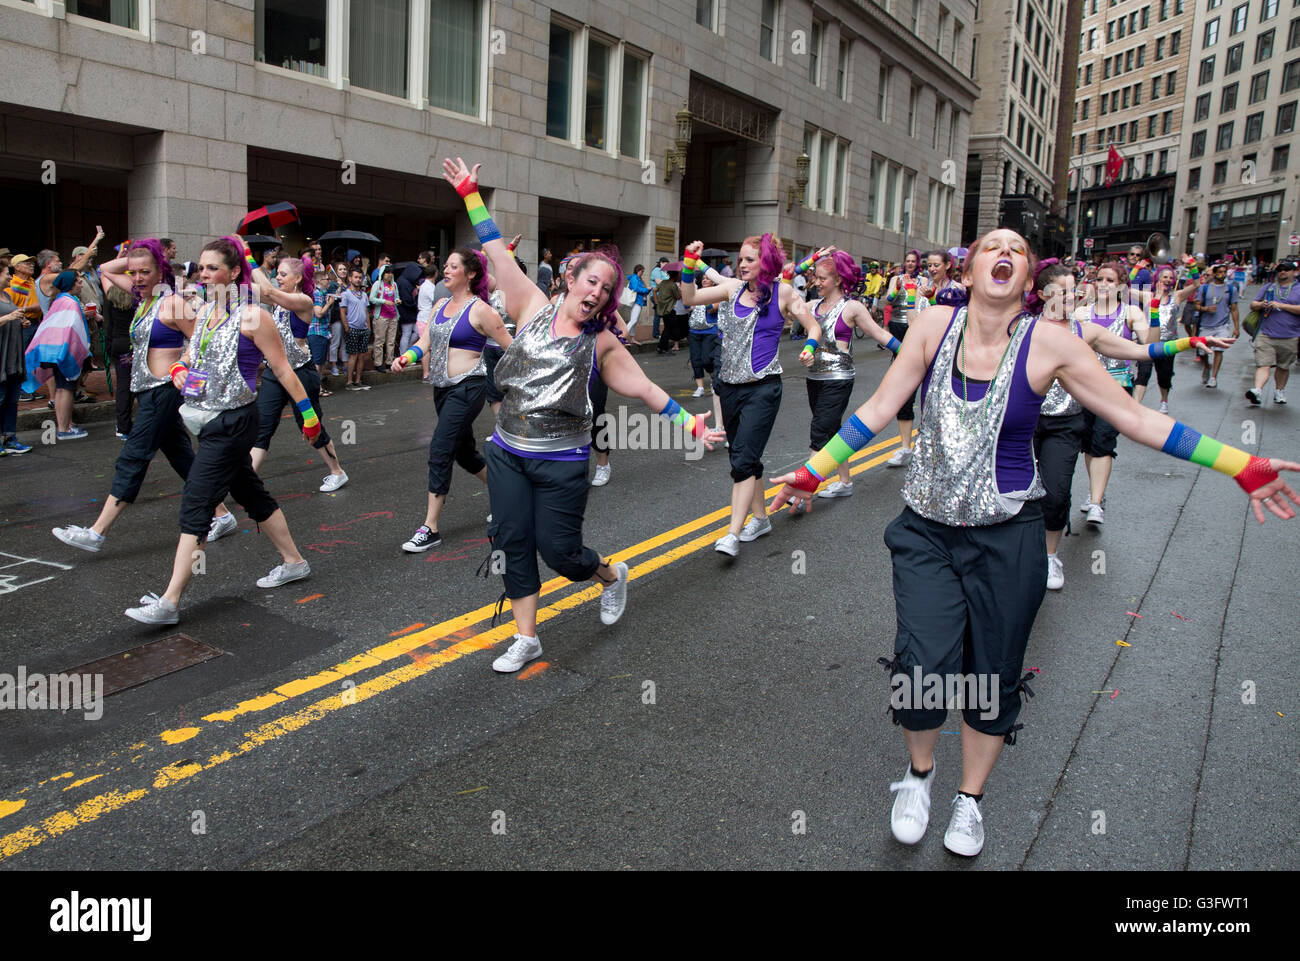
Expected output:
{"points": [[62, 339]]}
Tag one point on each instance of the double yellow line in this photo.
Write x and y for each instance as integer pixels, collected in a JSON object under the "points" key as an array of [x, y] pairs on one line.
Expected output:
{"points": [[91, 810]]}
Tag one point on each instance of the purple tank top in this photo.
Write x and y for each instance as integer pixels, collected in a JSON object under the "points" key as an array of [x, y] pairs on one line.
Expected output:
{"points": [[767, 331], [842, 330], [162, 336], [250, 359], [1015, 456], [463, 335]]}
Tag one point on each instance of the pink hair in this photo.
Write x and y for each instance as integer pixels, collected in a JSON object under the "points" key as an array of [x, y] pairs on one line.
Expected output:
{"points": [[771, 260], [304, 268], [848, 269], [473, 261], [231, 250], [607, 319], [154, 249]]}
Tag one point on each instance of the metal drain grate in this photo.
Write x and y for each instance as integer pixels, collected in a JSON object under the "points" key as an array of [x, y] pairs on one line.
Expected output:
{"points": [[148, 662]]}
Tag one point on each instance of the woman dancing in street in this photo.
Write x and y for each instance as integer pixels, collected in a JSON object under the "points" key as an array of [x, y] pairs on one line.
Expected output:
{"points": [[904, 294], [969, 568]]}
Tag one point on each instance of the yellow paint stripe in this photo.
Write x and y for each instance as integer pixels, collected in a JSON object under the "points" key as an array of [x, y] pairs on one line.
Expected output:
{"points": [[92, 809], [9, 807], [84, 780]]}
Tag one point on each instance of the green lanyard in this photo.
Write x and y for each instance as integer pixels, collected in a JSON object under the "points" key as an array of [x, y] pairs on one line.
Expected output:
{"points": [[135, 324], [208, 332]]}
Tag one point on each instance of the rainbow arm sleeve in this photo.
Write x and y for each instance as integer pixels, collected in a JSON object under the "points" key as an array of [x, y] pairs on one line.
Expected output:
{"points": [[690, 423], [478, 215], [805, 265], [413, 355], [1171, 347], [894, 345], [852, 437], [1251, 473], [310, 421], [690, 267]]}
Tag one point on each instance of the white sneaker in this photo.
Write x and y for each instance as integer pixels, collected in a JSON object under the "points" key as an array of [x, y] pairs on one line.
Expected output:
{"points": [[755, 528], [602, 475], [798, 506], [728, 544], [1255, 396], [520, 653], [965, 834], [902, 457], [158, 611], [1055, 573], [333, 482], [837, 489], [284, 574], [1212, 382], [1164, 407], [911, 814], [1086, 506], [613, 599], [221, 526], [1279, 397], [699, 392], [83, 537], [1096, 516]]}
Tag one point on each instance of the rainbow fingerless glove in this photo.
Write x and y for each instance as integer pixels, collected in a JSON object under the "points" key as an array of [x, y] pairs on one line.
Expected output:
{"points": [[810, 346], [478, 215], [787, 274], [852, 437], [806, 265], [178, 366], [911, 295], [691, 266], [310, 421], [689, 422], [1171, 347], [413, 355], [1251, 473]]}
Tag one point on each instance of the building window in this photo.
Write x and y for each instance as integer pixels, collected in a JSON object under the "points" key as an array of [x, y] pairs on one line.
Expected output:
{"points": [[1218, 214], [1281, 156], [767, 30], [882, 96], [842, 70], [938, 118], [1151, 126], [941, 33], [1160, 48], [1202, 111], [1105, 69], [1175, 41], [455, 47], [1198, 144], [1220, 173], [1142, 55], [953, 117], [1228, 99], [1291, 76], [1293, 34], [1223, 138], [595, 118], [1259, 87], [706, 14], [1211, 36], [1166, 121], [916, 16], [1133, 130], [291, 35], [913, 99], [559, 82], [873, 190], [378, 38], [1194, 179], [631, 111], [1232, 63], [1239, 17], [1285, 118], [1124, 98], [1264, 46], [1270, 205], [1155, 87], [1207, 70], [1267, 10], [1087, 75], [120, 13], [1171, 83], [1254, 127], [940, 212], [815, 54]]}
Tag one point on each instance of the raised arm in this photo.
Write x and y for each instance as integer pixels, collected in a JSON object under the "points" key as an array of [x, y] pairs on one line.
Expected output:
{"points": [[724, 288], [82, 262], [115, 270], [523, 298]]}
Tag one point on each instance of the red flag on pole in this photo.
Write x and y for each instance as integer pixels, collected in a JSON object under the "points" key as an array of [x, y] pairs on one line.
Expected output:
{"points": [[1114, 165]]}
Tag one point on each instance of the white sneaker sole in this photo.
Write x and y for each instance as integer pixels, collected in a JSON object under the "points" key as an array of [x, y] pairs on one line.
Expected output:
{"points": [[606, 618], [92, 548], [511, 667], [135, 615], [750, 538], [267, 584], [960, 844], [723, 548]]}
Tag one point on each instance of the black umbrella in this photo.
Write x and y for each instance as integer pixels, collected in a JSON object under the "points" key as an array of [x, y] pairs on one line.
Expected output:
{"points": [[713, 252], [349, 235], [254, 240]]}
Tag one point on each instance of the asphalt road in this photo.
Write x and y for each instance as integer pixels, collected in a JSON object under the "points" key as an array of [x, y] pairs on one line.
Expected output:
{"points": [[734, 718]]}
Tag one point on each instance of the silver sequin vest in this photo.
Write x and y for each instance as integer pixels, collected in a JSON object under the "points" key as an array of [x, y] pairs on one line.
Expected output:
{"points": [[498, 303], [1117, 327], [226, 387], [830, 362], [297, 355], [440, 344], [1058, 402], [738, 342], [953, 475], [142, 378], [544, 379]]}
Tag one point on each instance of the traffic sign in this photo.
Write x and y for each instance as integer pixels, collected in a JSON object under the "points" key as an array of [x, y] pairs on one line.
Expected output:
{"points": [[1088, 242], [1295, 240]]}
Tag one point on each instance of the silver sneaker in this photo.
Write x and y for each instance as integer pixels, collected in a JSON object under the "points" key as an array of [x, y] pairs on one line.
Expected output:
{"points": [[221, 526], [755, 528], [728, 544], [911, 813], [284, 574], [333, 482], [602, 475], [965, 834], [159, 611], [1096, 516], [613, 599], [902, 457], [520, 653], [1055, 573], [82, 537], [837, 489]]}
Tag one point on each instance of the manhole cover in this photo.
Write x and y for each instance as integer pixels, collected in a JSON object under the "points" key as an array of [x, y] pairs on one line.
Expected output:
{"points": [[146, 663]]}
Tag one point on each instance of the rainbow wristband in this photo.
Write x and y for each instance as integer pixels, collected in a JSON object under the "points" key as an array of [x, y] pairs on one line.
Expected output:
{"points": [[688, 276], [689, 422], [806, 265], [171, 373], [852, 437], [1251, 473], [810, 346], [309, 416], [1171, 347], [252, 263], [894, 344], [413, 355], [478, 216]]}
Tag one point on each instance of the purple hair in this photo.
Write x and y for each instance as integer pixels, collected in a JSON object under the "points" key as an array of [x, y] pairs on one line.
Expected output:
{"points": [[474, 261], [847, 267], [1044, 273], [771, 260], [231, 250], [154, 249], [607, 319], [306, 270]]}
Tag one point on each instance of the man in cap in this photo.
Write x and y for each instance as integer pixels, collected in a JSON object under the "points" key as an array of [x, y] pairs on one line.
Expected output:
{"points": [[1279, 333]]}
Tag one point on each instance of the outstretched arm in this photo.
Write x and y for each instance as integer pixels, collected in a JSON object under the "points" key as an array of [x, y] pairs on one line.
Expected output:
{"points": [[858, 315], [622, 374], [724, 288]]}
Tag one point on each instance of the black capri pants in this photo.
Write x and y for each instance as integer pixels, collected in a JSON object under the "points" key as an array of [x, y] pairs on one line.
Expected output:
{"points": [[271, 398], [704, 354], [538, 505], [453, 438], [748, 413], [599, 395], [491, 355], [966, 600], [829, 399], [908, 410], [1164, 367], [1098, 435], [1057, 442], [222, 466], [158, 427]]}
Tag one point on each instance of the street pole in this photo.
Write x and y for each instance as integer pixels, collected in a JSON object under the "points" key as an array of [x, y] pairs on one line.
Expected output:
{"points": [[1078, 205]]}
